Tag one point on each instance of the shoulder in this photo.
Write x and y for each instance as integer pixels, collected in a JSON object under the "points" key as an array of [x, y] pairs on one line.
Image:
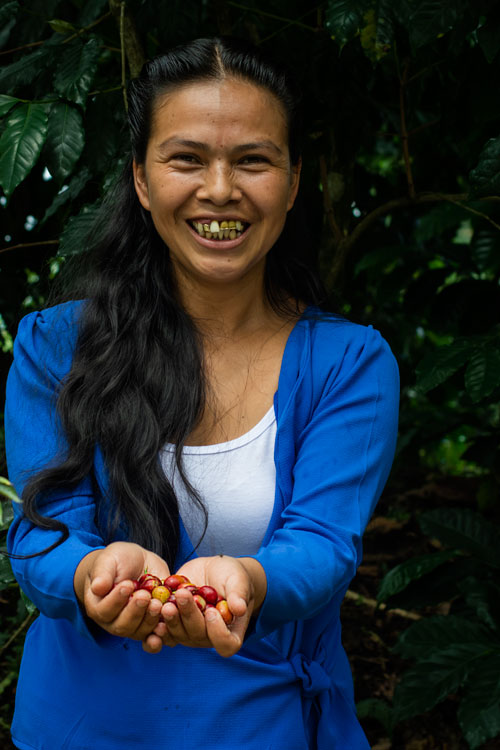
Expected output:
{"points": [[338, 345], [48, 337]]}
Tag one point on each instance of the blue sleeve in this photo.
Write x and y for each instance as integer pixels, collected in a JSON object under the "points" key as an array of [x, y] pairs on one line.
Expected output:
{"points": [[43, 353], [343, 459]]}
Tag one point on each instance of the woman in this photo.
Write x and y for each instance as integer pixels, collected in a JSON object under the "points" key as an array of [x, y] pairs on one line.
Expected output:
{"points": [[195, 412]]}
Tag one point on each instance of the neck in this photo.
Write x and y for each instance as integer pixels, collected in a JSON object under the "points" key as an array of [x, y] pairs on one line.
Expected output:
{"points": [[226, 309]]}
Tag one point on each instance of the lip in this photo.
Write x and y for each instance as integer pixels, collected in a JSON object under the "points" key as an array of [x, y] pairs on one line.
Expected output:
{"points": [[219, 245]]}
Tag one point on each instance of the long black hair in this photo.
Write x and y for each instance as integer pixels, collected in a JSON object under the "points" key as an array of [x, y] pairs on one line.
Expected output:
{"points": [[137, 380]]}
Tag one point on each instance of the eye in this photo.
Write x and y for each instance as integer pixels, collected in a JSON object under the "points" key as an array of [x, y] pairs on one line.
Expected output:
{"points": [[254, 159], [185, 158]]}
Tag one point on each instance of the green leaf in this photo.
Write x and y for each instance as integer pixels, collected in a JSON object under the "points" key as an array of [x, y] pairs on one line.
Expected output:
{"points": [[62, 27], [486, 249], [377, 32], [431, 634], [489, 39], [28, 603], [461, 528], [7, 490], [428, 20], [21, 143], [485, 178], [6, 574], [74, 238], [344, 19], [6, 103], [433, 679], [484, 598], [8, 15], [482, 375], [71, 191], [76, 69], [439, 365], [479, 710], [26, 69], [399, 577], [65, 140], [374, 708]]}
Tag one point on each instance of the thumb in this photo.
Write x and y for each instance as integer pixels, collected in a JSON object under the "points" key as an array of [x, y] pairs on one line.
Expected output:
{"points": [[103, 574], [237, 595]]}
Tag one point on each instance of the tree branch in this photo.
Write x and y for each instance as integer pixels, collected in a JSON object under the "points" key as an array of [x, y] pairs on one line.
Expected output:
{"points": [[28, 244], [373, 604], [129, 37], [327, 201], [17, 632]]}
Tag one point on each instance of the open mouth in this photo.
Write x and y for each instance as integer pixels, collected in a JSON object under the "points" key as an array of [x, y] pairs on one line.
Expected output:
{"points": [[220, 230]]}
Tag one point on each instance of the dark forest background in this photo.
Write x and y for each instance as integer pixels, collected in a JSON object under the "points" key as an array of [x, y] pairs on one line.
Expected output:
{"points": [[401, 189]]}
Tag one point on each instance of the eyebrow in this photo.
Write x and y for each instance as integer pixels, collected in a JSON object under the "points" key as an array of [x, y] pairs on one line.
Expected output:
{"points": [[254, 146]]}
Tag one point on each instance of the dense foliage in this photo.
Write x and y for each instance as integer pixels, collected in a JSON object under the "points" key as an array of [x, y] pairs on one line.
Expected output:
{"points": [[401, 188]]}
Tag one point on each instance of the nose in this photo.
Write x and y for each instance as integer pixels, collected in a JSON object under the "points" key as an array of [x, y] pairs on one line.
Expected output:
{"points": [[219, 185]]}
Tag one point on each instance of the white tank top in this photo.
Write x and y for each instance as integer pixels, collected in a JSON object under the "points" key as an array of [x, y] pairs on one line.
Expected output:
{"points": [[236, 481]]}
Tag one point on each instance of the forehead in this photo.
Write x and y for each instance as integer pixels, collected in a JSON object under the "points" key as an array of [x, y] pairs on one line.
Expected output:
{"points": [[221, 113]]}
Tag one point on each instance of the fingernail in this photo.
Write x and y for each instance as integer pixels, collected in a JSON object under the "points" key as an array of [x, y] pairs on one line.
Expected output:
{"points": [[124, 592], [142, 603], [210, 615], [181, 602]]}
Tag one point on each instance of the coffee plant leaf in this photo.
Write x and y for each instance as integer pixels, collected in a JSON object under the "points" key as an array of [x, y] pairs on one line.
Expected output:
{"points": [[479, 710], [488, 37], [68, 192], [76, 69], [21, 143], [428, 20], [6, 103], [30, 607], [399, 577], [6, 574], [375, 708], [432, 679], [485, 178], [344, 19], [90, 11], [73, 240], [463, 529], [62, 27], [486, 249], [65, 140], [431, 634], [484, 598], [482, 374], [442, 363], [26, 69], [7, 490]]}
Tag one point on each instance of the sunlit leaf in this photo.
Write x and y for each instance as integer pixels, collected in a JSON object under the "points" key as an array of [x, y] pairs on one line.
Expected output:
{"points": [[7, 490], [31, 608], [61, 27], [479, 709], [76, 69], [463, 529], [21, 143], [482, 375], [65, 140]]}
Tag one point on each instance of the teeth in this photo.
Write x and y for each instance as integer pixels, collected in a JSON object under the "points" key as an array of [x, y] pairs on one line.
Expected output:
{"points": [[219, 230]]}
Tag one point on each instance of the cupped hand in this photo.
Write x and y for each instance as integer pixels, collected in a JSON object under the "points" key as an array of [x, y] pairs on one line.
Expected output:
{"points": [[104, 586], [241, 581]]}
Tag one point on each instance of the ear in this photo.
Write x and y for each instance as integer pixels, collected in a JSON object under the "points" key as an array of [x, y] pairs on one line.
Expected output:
{"points": [[294, 183], [141, 184]]}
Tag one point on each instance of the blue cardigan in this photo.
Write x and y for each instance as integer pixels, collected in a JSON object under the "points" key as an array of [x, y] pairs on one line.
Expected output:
{"points": [[290, 686]]}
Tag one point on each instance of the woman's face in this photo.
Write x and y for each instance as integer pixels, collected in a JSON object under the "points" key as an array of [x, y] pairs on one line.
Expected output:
{"points": [[217, 178]]}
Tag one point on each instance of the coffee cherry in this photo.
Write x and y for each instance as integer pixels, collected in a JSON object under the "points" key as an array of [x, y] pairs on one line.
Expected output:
{"points": [[150, 583], [200, 602], [209, 594], [162, 593], [189, 586], [173, 582], [224, 611]]}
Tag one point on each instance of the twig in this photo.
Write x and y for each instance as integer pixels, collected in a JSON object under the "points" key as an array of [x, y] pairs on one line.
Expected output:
{"points": [[17, 632], [272, 15], [396, 203], [327, 201], [373, 604], [128, 36], [87, 28], [404, 131], [28, 244], [122, 47], [23, 46]]}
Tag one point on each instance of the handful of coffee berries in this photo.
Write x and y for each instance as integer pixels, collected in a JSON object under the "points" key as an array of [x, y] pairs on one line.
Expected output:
{"points": [[204, 596]]}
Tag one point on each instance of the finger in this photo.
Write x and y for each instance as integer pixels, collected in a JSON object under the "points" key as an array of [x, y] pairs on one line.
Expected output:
{"points": [[149, 621], [225, 641], [105, 609], [192, 620], [128, 619], [103, 574], [153, 644]]}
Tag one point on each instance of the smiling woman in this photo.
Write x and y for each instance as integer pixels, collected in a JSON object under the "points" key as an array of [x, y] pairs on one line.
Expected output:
{"points": [[191, 409]]}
